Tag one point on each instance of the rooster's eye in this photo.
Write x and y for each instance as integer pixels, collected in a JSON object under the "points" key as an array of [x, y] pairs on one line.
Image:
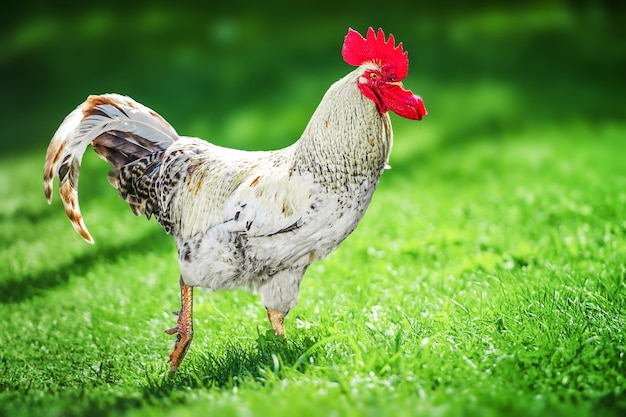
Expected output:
{"points": [[373, 75]]}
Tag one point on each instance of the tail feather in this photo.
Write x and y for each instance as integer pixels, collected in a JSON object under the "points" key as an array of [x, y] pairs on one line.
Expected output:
{"points": [[121, 131], [136, 182], [121, 148]]}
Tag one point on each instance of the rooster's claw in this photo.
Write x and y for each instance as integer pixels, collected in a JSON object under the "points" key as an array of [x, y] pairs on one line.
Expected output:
{"points": [[184, 328]]}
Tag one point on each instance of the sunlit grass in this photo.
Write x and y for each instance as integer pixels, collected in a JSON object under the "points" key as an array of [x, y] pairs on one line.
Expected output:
{"points": [[487, 279]]}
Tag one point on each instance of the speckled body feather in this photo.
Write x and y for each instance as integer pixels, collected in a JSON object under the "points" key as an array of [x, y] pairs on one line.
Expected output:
{"points": [[256, 219]]}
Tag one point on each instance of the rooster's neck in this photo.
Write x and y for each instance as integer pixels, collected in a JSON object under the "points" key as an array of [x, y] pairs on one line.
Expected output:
{"points": [[347, 138]]}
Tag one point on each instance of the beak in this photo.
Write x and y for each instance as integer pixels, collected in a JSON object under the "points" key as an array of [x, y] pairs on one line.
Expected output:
{"points": [[403, 102]]}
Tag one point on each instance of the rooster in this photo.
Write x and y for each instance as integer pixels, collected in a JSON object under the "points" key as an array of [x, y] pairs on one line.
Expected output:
{"points": [[239, 218]]}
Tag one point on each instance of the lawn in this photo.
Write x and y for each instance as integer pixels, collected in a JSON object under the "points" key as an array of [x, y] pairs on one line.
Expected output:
{"points": [[487, 278]]}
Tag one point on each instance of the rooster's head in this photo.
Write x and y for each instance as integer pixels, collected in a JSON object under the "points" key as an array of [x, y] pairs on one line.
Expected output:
{"points": [[384, 67]]}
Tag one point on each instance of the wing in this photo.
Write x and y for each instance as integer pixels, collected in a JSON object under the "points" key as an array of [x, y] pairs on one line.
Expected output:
{"points": [[270, 200], [203, 186]]}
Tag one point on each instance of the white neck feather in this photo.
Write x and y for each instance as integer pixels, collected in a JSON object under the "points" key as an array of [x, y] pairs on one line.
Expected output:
{"points": [[346, 135]]}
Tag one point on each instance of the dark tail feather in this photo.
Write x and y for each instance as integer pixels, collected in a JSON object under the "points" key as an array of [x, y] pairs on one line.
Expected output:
{"points": [[135, 162], [120, 148]]}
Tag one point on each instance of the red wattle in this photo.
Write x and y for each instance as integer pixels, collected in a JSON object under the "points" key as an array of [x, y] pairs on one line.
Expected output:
{"points": [[402, 102]]}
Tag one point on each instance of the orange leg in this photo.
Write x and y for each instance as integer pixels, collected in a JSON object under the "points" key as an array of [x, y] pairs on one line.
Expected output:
{"points": [[184, 328], [276, 320]]}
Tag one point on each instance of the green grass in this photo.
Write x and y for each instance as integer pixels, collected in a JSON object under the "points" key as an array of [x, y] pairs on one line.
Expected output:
{"points": [[487, 278]]}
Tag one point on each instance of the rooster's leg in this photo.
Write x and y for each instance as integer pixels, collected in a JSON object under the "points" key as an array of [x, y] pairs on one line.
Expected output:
{"points": [[276, 320], [184, 329]]}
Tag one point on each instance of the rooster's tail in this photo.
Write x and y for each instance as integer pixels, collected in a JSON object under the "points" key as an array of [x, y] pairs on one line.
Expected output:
{"points": [[128, 135]]}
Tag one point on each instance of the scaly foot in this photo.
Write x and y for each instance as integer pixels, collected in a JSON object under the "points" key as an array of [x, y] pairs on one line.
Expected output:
{"points": [[184, 328], [276, 320]]}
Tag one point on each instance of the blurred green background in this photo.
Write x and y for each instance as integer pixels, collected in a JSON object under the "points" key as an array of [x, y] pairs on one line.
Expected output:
{"points": [[250, 75]]}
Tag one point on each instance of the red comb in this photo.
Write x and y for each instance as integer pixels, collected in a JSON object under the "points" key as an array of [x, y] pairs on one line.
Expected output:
{"points": [[358, 50]]}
